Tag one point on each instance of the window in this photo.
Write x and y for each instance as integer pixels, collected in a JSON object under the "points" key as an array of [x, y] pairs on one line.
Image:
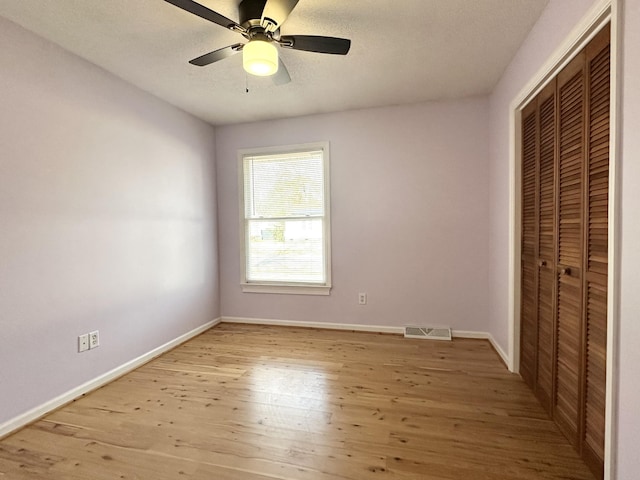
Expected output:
{"points": [[284, 198]]}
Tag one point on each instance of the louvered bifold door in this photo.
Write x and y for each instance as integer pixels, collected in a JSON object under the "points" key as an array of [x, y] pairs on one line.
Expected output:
{"points": [[596, 247], [568, 362], [546, 244], [564, 264], [529, 286]]}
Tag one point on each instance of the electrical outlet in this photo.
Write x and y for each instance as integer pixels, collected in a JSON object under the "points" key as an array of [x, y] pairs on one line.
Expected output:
{"points": [[94, 339], [83, 343], [362, 299]]}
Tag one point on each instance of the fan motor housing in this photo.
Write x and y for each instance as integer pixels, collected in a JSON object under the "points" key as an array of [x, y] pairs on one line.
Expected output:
{"points": [[250, 12]]}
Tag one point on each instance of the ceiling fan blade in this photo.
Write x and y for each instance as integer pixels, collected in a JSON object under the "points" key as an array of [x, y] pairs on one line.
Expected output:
{"points": [[221, 53], [312, 43], [282, 76], [203, 12], [275, 13]]}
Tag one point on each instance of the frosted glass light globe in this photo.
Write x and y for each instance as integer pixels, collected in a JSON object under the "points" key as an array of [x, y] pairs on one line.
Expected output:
{"points": [[260, 58]]}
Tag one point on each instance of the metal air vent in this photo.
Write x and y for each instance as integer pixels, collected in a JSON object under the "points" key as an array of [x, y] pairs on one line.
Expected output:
{"points": [[432, 333]]}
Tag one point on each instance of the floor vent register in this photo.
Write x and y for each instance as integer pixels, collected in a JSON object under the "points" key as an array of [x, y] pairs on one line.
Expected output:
{"points": [[428, 333]]}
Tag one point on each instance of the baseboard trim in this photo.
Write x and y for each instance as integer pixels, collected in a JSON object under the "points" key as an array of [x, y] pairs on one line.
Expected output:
{"points": [[361, 328], [38, 412], [487, 336], [320, 325]]}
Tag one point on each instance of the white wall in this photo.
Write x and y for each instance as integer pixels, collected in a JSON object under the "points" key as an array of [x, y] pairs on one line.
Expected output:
{"points": [[629, 322], [554, 25], [409, 215], [107, 221]]}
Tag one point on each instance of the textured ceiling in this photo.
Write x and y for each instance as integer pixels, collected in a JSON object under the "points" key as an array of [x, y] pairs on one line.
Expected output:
{"points": [[402, 51]]}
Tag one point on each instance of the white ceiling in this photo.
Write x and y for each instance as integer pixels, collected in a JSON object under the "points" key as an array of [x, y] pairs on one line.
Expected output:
{"points": [[402, 51]]}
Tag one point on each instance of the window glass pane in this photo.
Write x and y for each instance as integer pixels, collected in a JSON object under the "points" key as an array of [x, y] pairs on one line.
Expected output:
{"points": [[285, 217], [285, 251], [287, 185]]}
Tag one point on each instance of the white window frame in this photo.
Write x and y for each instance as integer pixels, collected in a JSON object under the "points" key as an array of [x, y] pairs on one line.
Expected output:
{"points": [[286, 287]]}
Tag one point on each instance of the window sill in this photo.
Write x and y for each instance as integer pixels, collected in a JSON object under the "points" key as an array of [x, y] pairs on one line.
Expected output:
{"points": [[285, 289]]}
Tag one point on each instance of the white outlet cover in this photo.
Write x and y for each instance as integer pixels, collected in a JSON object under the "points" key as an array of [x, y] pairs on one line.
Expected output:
{"points": [[83, 342], [94, 339]]}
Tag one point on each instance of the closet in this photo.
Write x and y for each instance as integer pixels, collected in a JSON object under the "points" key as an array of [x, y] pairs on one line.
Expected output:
{"points": [[564, 250]]}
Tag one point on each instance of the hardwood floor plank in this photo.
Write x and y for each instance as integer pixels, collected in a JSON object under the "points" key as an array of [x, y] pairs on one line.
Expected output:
{"points": [[255, 403]]}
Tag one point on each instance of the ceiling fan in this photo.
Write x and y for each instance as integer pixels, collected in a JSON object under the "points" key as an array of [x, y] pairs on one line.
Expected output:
{"points": [[260, 22]]}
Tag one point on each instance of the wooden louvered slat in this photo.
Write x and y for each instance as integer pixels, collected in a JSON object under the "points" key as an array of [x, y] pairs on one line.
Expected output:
{"points": [[571, 90], [567, 357], [528, 324], [597, 246], [528, 310], [545, 354], [598, 220], [595, 374], [546, 244]]}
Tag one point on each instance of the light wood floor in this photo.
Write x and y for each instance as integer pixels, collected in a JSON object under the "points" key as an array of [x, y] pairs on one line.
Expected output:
{"points": [[247, 402]]}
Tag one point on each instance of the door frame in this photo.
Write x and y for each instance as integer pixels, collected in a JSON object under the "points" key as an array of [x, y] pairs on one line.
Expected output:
{"points": [[602, 12]]}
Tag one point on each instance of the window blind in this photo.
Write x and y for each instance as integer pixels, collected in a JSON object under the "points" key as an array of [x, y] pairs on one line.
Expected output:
{"points": [[284, 210]]}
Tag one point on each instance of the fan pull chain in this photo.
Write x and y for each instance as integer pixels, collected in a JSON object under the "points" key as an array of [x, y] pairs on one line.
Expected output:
{"points": [[246, 82]]}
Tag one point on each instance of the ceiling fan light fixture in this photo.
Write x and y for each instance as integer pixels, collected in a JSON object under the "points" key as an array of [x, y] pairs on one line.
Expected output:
{"points": [[260, 57]]}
